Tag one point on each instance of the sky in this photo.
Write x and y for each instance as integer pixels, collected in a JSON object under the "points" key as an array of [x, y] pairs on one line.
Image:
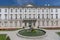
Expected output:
{"points": [[35, 2]]}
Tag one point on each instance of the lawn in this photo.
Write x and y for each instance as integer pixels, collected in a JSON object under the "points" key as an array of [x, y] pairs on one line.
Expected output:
{"points": [[58, 33], [4, 37]]}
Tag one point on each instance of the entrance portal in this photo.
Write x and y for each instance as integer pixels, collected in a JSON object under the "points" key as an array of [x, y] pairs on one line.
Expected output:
{"points": [[29, 22]]}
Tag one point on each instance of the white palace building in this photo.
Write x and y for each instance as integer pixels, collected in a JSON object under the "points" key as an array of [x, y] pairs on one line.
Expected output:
{"points": [[29, 15]]}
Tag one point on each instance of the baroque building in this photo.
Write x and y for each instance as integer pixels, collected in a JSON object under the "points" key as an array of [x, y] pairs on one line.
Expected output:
{"points": [[29, 15]]}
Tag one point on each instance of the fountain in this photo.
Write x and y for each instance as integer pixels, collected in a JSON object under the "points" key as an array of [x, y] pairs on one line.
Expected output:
{"points": [[31, 33]]}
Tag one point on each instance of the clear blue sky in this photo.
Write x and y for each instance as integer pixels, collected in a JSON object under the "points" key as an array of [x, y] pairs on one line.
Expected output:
{"points": [[35, 2]]}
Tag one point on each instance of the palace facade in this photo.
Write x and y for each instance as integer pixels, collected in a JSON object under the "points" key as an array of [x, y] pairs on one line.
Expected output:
{"points": [[29, 15]]}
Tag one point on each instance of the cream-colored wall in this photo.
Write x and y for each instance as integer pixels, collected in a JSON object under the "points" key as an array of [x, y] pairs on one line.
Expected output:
{"points": [[33, 11]]}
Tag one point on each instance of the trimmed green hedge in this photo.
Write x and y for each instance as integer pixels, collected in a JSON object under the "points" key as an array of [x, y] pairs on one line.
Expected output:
{"points": [[58, 33]]}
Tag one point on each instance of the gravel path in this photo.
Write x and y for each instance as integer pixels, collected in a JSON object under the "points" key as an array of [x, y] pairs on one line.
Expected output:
{"points": [[51, 35]]}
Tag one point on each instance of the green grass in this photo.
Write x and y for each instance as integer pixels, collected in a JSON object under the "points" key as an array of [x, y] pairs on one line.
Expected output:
{"points": [[27, 32], [58, 33], [2, 36]]}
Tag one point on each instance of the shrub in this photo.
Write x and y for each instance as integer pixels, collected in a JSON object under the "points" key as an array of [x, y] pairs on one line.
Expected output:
{"points": [[7, 38]]}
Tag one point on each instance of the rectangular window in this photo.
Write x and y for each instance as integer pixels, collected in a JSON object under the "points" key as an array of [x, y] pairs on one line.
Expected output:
{"points": [[15, 16], [47, 16], [0, 10], [16, 10], [56, 10], [56, 23], [51, 16], [38, 16], [11, 16], [0, 16], [42, 16], [15, 24], [25, 10], [43, 23], [20, 10], [34, 16], [46, 10], [51, 10], [0, 23], [5, 24], [5, 16], [56, 16], [25, 15], [47, 23], [5, 10], [52, 23], [20, 16], [20, 23], [38, 23], [42, 10], [11, 23], [29, 16], [11, 10], [29, 10]]}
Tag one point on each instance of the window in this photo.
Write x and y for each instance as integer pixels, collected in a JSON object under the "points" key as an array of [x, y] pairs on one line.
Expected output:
{"points": [[20, 23], [47, 23], [29, 16], [47, 16], [42, 23], [25, 15], [38, 9], [5, 24], [16, 10], [38, 23], [51, 10], [25, 10], [56, 23], [42, 16], [38, 16], [5, 10], [51, 23], [46, 10], [56, 16], [15, 24], [25, 24], [56, 10], [0, 23], [5, 16], [11, 23], [0, 16], [15, 16], [34, 16], [33, 9], [29, 10], [42, 10], [0, 10], [51, 16], [20, 16], [11, 16], [20, 10], [11, 10]]}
